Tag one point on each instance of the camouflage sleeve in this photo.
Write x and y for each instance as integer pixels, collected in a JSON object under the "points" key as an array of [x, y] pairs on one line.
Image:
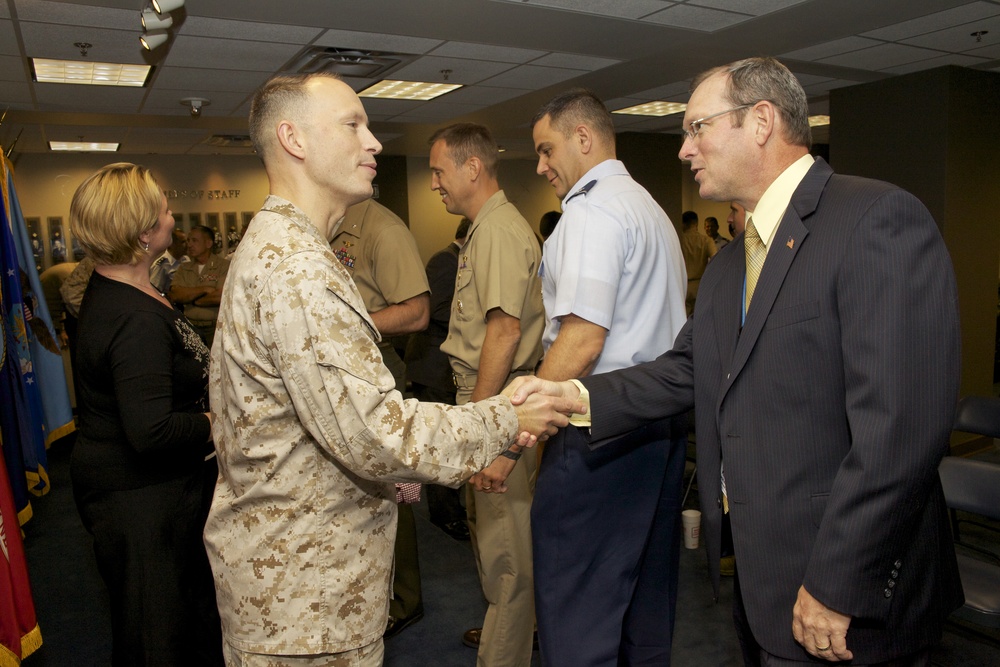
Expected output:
{"points": [[326, 354]]}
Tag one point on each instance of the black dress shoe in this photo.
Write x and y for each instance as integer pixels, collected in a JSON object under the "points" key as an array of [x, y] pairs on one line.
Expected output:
{"points": [[458, 530], [396, 625]]}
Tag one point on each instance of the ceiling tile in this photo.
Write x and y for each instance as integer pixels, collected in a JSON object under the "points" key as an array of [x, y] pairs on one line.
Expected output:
{"points": [[752, 7], [992, 52], [372, 41], [12, 69], [437, 112], [75, 14], [17, 94], [832, 48], [934, 22], [827, 86], [193, 78], [627, 9], [532, 77], [8, 40], [575, 61], [100, 99], [466, 72], [960, 38], [502, 54], [961, 59], [696, 18], [678, 91], [881, 56], [197, 26], [169, 101], [484, 95], [190, 51], [56, 41]]}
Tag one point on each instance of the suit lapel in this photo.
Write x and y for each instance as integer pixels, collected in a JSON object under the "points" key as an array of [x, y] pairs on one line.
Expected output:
{"points": [[788, 240]]}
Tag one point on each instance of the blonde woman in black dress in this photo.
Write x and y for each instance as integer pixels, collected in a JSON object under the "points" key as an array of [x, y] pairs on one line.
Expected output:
{"points": [[143, 468]]}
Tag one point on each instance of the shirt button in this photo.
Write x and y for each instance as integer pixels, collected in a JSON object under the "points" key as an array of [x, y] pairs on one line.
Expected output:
{"points": [[891, 583], [898, 564], [894, 574], [729, 375], [887, 593]]}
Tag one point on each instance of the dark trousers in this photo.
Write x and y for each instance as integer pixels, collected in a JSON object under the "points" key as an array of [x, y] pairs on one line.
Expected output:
{"points": [[407, 595], [606, 534], [151, 556]]}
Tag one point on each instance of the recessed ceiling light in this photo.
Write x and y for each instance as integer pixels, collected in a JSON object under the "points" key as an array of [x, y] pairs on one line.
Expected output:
{"points": [[88, 146], [408, 90], [818, 120], [89, 73], [657, 108]]}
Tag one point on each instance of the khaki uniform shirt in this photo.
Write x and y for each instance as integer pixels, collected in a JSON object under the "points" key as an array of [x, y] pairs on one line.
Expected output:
{"points": [[497, 268], [213, 275], [310, 437], [379, 252]]}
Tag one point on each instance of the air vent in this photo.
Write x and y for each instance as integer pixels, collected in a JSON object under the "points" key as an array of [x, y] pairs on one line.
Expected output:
{"points": [[347, 62], [229, 141]]}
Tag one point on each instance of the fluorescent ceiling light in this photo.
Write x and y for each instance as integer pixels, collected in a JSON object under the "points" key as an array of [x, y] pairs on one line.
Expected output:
{"points": [[657, 108], [814, 121], [408, 90], [89, 146], [89, 73]]}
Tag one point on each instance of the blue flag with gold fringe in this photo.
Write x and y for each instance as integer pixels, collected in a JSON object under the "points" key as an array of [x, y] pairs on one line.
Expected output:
{"points": [[57, 412]]}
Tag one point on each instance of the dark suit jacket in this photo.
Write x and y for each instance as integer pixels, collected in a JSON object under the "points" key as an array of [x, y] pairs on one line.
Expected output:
{"points": [[426, 364], [831, 411]]}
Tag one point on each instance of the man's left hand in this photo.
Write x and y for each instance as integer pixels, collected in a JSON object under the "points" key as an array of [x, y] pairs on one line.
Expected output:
{"points": [[821, 630], [493, 478]]}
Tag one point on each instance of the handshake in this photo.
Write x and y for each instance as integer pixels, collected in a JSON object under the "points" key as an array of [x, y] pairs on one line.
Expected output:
{"points": [[542, 408]]}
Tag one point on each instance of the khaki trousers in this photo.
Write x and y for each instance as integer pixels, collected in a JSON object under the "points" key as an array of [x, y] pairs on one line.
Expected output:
{"points": [[500, 527]]}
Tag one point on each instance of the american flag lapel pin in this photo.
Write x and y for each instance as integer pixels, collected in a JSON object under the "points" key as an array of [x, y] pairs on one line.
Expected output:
{"points": [[791, 242]]}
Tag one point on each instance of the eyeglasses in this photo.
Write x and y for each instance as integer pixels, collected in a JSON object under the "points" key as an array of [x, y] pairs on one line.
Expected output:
{"points": [[696, 125]]}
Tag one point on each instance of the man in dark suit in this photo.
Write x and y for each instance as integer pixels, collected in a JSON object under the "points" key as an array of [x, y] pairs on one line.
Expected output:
{"points": [[824, 406]]}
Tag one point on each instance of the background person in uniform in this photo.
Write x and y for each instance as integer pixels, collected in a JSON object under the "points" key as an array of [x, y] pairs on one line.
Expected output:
{"points": [[310, 431], [712, 231], [698, 250], [166, 265], [736, 219], [429, 372], [494, 335], [605, 523], [52, 279], [143, 468], [197, 285], [381, 256], [822, 419]]}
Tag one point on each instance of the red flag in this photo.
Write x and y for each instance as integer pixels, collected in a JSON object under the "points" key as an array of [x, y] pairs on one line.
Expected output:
{"points": [[19, 633]]}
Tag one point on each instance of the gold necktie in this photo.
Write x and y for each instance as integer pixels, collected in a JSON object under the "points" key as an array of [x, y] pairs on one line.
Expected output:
{"points": [[756, 254]]}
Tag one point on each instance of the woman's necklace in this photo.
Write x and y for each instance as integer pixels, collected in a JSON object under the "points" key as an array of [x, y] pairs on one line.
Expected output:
{"points": [[127, 278]]}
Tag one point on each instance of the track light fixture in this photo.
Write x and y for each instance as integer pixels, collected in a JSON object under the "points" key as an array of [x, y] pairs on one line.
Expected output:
{"points": [[153, 21], [153, 39], [164, 6]]}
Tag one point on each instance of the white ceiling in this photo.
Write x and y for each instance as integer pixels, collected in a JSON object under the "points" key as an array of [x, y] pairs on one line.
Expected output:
{"points": [[512, 56]]}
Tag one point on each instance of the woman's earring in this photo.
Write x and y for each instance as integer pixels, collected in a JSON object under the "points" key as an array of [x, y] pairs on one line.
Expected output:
{"points": [[147, 246]]}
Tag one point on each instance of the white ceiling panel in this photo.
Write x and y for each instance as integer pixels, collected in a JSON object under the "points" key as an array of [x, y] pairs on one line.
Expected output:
{"points": [[752, 7], [15, 93], [500, 54], [948, 18], [574, 61], [42, 40], [881, 57], [71, 14], [11, 70], [678, 91], [533, 77], [99, 99], [696, 18], [227, 54], [627, 9], [961, 36], [193, 78], [961, 59], [8, 39], [484, 95], [249, 30], [466, 72], [831, 48]]}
